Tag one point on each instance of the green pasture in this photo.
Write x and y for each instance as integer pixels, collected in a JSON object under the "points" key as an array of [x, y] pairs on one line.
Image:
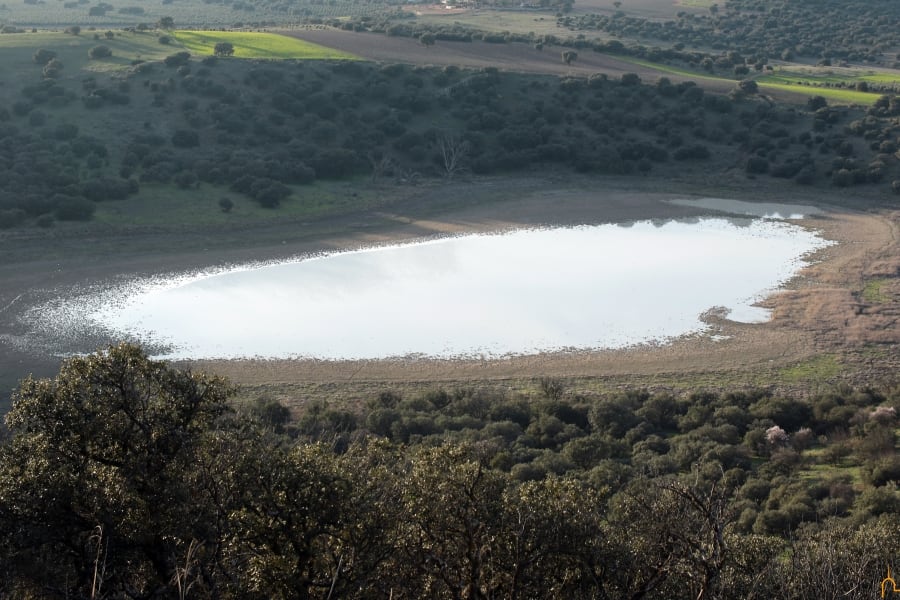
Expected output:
{"points": [[162, 205], [816, 81], [697, 3], [789, 82], [129, 46], [830, 76], [539, 23], [839, 95], [249, 44], [663, 68]]}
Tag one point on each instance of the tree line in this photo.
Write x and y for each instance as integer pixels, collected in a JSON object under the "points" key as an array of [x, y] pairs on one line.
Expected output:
{"points": [[264, 129]]}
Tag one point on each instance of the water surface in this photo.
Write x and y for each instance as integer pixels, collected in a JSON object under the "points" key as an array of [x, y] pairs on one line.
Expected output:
{"points": [[590, 287]]}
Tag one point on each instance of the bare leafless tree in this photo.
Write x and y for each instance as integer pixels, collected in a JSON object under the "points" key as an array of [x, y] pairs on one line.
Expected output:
{"points": [[381, 165], [454, 153]]}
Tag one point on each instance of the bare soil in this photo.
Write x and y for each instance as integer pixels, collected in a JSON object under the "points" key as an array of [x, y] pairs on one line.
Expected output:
{"points": [[517, 57], [822, 314]]}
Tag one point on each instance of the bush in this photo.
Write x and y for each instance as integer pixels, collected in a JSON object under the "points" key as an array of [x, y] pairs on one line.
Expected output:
{"points": [[101, 51], [69, 208], [178, 59], [695, 152], [183, 138], [42, 56], [756, 165], [11, 217]]}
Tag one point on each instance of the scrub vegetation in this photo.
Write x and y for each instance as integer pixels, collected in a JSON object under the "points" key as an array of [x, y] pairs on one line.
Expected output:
{"points": [[265, 131], [124, 477]]}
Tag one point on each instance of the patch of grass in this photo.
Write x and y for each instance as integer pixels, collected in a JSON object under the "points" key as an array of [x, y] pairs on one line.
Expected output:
{"points": [[821, 472], [73, 50], [696, 3], [497, 21], [829, 75], [841, 96], [163, 205], [813, 81], [873, 292], [249, 44], [820, 368], [673, 70]]}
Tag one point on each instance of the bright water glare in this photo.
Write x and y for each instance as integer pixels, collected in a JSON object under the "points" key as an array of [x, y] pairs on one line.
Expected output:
{"points": [[606, 286]]}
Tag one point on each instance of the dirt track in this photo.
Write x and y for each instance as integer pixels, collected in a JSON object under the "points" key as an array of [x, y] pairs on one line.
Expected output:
{"points": [[517, 57]]}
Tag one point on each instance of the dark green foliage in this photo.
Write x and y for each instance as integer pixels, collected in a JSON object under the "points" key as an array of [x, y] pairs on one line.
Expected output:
{"points": [[73, 208], [42, 56], [224, 49], [292, 123], [124, 473], [757, 165], [178, 59], [185, 139], [101, 51]]}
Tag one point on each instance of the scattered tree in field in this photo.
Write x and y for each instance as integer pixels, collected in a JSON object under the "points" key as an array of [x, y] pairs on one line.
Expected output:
{"points": [[226, 204], [816, 102], [748, 86], [101, 51], [427, 39], [167, 23], [453, 154], [178, 59], [630, 79], [224, 49], [569, 56], [185, 138], [42, 56], [52, 69], [73, 30]]}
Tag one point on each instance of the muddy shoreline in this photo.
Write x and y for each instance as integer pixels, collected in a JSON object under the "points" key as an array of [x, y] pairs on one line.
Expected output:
{"points": [[821, 313]]}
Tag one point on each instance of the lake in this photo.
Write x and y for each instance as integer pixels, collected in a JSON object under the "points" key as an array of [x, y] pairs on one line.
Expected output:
{"points": [[524, 291]]}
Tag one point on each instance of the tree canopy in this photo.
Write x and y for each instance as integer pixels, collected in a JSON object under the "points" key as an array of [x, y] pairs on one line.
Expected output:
{"points": [[124, 477]]}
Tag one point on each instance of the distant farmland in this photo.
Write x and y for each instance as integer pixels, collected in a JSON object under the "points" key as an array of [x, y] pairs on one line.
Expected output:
{"points": [[257, 45]]}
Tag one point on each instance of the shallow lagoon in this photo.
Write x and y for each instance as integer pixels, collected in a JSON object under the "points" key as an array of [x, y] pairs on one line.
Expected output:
{"points": [[526, 291]]}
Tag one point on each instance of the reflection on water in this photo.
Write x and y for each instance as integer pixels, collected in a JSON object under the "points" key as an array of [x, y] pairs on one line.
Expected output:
{"points": [[769, 210], [526, 291]]}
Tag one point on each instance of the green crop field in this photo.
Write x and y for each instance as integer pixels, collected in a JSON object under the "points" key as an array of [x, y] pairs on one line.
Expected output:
{"points": [[257, 45], [663, 68], [839, 95], [819, 81], [830, 76]]}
